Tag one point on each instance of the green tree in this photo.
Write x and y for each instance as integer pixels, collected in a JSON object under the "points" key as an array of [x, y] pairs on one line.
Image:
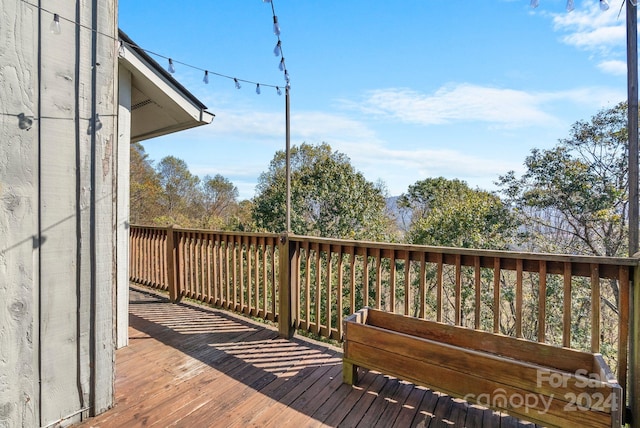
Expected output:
{"points": [[144, 187], [181, 199], [574, 197], [450, 213], [329, 198], [219, 202]]}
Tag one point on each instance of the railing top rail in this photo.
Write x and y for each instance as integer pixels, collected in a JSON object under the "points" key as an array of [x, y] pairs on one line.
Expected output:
{"points": [[503, 254], [211, 231]]}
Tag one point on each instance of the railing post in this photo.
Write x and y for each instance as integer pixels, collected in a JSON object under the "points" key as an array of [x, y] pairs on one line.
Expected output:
{"points": [[286, 293], [634, 346], [173, 268]]}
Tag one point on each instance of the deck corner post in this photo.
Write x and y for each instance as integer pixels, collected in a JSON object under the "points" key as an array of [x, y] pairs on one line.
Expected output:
{"points": [[285, 290], [172, 265], [634, 348]]}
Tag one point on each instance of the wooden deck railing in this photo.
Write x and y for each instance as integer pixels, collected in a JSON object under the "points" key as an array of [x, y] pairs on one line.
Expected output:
{"points": [[311, 284]]}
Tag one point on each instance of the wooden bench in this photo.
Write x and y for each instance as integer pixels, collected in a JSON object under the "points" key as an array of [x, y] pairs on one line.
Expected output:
{"points": [[541, 383]]}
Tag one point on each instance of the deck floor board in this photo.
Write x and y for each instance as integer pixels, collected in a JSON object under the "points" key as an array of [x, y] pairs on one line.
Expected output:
{"points": [[188, 365]]}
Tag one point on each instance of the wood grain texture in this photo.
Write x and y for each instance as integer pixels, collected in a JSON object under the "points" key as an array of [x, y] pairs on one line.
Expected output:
{"points": [[467, 368], [192, 366], [57, 211]]}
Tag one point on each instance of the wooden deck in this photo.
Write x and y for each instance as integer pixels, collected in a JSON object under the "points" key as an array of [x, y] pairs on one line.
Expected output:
{"points": [[193, 366]]}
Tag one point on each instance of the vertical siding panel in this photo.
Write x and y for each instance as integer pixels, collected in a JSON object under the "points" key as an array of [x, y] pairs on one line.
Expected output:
{"points": [[20, 236], [66, 165]]}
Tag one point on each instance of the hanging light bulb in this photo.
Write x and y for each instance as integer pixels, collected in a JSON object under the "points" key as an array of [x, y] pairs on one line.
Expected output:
{"points": [[286, 76], [604, 5], [55, 24], [237, 83], [281, 65], [278, 90], [277, 51], [258, 88], [276, 26], [171, 68], [205, 79], [534, 4], [570, 5]]}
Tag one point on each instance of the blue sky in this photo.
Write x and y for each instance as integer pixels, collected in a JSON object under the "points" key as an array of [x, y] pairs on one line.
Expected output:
{"points": [[408, 90]]}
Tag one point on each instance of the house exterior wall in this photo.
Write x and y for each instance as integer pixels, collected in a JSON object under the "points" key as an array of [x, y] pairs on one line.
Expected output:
{"points": [[122, 228], [57, 210]]}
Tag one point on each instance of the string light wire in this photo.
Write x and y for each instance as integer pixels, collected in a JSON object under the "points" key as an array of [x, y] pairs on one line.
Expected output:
{"points": [[121, 44], [278, 51]]}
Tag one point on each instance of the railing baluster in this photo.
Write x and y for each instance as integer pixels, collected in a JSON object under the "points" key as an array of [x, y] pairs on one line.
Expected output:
{"points": [[496, 294], [439, 285], [542, 301], [216, 273], [365, 277], [316, 329], [190, 255], [422, 285], [352, 280], [407, 282], [378, 260], [256, 277], [307, 286], [519, 298], [265, 307], [328, 301], [208, 266], [234, 268], [227, 271], [458, 290], [566, 311], [392, 282], [477, 281], [197, 258], [241, 260], [339, 304], [182, 264], [217, 255], [595, 308]]}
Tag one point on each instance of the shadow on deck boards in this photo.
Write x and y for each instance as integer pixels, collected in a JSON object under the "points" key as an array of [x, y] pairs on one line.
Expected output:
{"points": [[193, 366]]}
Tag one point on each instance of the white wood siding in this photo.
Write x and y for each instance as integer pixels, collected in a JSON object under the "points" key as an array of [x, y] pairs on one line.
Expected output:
{"points": [[57, 211]]}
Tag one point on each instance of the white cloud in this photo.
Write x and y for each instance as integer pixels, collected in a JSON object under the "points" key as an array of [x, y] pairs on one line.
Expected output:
{"points": [[615, 67], [590, 29], [508, 108], [461, 102], [399, 168]]}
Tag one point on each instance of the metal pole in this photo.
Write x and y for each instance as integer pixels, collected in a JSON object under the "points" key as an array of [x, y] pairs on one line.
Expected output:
{"points": [[288, 156], [632, 124], [632, 128]]}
